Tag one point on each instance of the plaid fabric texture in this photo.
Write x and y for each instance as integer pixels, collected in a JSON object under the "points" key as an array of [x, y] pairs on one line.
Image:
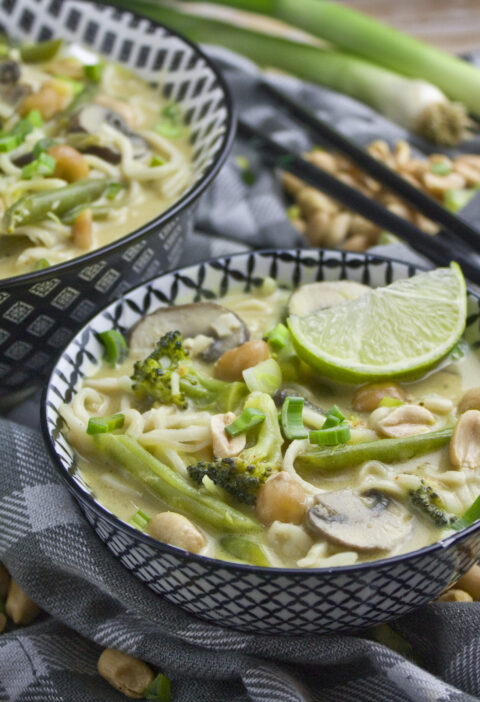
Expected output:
{"points": [[90, 601]]}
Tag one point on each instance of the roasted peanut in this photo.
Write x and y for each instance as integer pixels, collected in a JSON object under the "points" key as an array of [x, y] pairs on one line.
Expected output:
{"points": [[298, 224], [455, 595], [291, 183], [222, 444], [470, 400], [465, 441], [438, 184], [338, 230], [368, 397], [317, 227], [18, 606], [175, 529], [470, 582], [70, 165], [281, 499], [82, 230], [232, 363], [125, 673], [467, 171], [323, 160], [4, 581], [310, 200], [357, 242], [406, 420]]}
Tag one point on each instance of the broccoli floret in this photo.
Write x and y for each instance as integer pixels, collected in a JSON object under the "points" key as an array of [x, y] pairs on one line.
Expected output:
{"points": [[428, 501], [243, 475], [168, 376]]}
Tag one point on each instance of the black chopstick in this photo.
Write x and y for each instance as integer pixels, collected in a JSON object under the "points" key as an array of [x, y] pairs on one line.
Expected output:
{"points": [[278, 156], [375, 168]]}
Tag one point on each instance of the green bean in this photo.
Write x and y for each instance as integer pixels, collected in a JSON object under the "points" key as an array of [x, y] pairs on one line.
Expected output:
{"points": [[245, 550], [177, 492], [43, 51], [387, 450], [37, 206]]}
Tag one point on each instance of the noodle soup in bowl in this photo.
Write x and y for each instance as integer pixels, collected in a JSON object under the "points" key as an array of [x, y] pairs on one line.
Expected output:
{"points": [[147, 116], [325, 581]]}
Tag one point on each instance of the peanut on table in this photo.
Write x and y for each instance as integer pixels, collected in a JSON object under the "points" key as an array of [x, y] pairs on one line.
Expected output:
{"points": [[325, 222]]}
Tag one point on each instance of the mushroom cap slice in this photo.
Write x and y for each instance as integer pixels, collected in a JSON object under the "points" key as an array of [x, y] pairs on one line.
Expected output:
{"points": [[318, 296], [364, 522], [190, 320], [90, 117]]}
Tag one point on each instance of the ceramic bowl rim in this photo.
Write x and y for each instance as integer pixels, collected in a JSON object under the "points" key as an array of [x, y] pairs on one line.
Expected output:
{"points": [[179, 205], [208, 561]]}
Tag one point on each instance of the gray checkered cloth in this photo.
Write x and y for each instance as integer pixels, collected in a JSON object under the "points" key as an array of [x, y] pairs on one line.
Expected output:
{"points": [[90, 601]]}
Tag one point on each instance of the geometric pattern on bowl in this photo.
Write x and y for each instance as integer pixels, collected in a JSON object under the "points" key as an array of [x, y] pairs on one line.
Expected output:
{"points": [[249, 598], [40, 311]]}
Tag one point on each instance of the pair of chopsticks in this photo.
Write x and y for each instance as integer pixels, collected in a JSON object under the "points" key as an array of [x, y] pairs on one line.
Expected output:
{"points": [[463, 237]]}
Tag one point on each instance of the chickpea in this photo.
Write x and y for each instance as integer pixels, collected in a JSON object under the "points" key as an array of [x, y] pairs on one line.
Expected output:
{"points": [[19, 607], [4, 581], [455, 595], [368, 397], [48, 100], [175, 529], [233, 362], [69, 163], [124, 672], [82, 230], [470, 582], [281, 499]]}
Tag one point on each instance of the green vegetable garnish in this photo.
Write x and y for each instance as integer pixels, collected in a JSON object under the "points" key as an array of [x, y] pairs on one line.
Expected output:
{"points": [[245, 550], [331, 435], [278, 337], [116, 349], [159, 689], [291, 418], [101, 425], [469, 517], [43, 165], [157, 161], [264, 377], [441, 168], [249, 418], [140, 520], [390, 402], [94, 72], [41, 264]]}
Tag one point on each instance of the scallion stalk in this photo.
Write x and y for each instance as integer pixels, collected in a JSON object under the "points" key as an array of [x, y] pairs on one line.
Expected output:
{"points": [[116, 348], [103, 425], [413, 103], [140, 520], [250, 417], [279, 337], [264, 377], [291, 419], [330, 435], [159, 689]]}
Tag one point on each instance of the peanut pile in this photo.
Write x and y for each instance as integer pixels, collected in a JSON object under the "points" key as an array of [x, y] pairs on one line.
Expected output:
{"points": [[325, 222]]}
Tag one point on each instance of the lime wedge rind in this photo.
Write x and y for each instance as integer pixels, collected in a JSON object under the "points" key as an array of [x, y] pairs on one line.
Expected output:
{"points": [[340, 342]]}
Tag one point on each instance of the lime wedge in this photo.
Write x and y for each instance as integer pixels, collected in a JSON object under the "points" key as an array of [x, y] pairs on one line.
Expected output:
{"points": [[399, 331]]}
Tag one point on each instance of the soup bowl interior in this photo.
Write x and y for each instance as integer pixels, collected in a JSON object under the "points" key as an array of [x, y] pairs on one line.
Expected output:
{"points": [[267, 600], [40, 311]]}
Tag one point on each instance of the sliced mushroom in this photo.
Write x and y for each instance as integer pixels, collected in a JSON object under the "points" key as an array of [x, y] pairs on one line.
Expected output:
{"points": [[9, 72], [406, 420], [88, 119], [367, 522], [318, 296], [190, 320], [465, 442]]}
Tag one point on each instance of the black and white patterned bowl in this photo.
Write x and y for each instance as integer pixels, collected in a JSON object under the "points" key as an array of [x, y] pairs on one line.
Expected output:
{"points": [[40, 311], [267, 600]]}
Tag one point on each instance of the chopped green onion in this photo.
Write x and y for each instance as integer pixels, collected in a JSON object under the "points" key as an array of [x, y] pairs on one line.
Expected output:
{"points": [[264, 377], [294, 212], [459, 350], [278, 337], [169, 130], [41, 264], [34, 118], [454, 199], [242, 162], [116, 349], [441, 168], [250, 417], [43, 51], [330, 421], [9, 142], [75, 85], [43, 145], [471, 515], [291, 419], [172, 123], [157, 161], [102, 425], [331, 436], [94, 72], [334, 411], [140, 520], [159, 689], [113, 189], [390, 402], [43, 165]]}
